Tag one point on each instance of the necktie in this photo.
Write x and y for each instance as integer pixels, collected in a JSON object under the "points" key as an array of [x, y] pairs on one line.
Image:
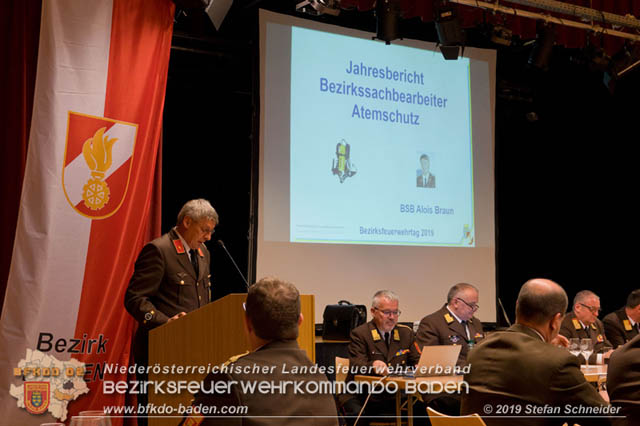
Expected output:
{"points": [[194, 262], [465, 324], [386, 338]]}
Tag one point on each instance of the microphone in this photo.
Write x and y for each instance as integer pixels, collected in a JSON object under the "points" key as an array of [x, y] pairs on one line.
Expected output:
{"points": [[221, 244], [504, 313]]}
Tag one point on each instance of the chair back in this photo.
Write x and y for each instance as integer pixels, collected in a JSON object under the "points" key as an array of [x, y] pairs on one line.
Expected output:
{"points": [[342, 368], [439, 419]]}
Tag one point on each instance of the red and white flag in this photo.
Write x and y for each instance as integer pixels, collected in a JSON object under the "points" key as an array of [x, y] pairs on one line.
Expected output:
{"points": [[85, 206]]}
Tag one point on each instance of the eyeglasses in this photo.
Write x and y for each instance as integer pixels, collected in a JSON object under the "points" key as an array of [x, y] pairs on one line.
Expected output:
{"points": [[388, 313], [592, 309], [206, 230], [474, 307]]}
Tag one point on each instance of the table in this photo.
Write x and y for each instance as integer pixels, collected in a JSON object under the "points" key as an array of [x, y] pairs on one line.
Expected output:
{"points": [[414, 384], [594, 373]]}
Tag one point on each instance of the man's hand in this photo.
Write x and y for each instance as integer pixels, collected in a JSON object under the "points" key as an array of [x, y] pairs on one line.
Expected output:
{"points": [[561, 341], [176, 316], [380, 368]]}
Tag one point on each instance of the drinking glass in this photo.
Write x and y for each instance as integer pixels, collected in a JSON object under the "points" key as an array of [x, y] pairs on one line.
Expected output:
{"points": [[88, 421], [574, 346], [586, 347], [91, 418]]}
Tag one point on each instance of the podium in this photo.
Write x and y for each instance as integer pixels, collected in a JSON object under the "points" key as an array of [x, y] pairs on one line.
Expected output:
{"points": [[186, 349]]}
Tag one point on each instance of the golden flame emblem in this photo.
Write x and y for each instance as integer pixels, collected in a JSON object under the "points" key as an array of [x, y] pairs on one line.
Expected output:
{"points": [[97, 154]]}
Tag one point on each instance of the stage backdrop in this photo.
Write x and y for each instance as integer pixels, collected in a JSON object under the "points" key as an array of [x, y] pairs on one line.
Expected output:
{"points": [[89, 203]]}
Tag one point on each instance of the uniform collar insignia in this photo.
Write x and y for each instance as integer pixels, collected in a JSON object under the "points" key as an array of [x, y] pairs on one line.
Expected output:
{"points": [[627, 325], [396, 335], [178, 245], [448, 318], [235, 358], [193, 420], [375, 335], [576, 324], [593, 326], [200, 252]]}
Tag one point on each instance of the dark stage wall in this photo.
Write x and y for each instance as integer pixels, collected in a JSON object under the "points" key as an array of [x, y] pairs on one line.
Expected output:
{"points": [[563, 180]]}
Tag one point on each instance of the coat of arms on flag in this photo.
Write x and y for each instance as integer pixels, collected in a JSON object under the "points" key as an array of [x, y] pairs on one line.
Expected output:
{"points": [[36, 397], [97, 163]]}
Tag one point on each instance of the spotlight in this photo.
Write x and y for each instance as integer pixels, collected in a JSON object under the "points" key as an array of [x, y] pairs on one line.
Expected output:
{"points": [[501, 35], [540, 56], [387, 20], [622, 63], [449, 31], [319, 7]]}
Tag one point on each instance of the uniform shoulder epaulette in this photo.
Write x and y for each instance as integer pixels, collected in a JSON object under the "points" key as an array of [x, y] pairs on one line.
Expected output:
{"points": [[235, 358]]}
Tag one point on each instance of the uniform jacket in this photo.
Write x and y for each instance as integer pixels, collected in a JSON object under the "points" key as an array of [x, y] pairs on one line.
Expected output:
{"points": [[441, 328], [164, 284], [572, 328], [280, 358], [367, 345], [618, 328], [623, 381], [515, 367]]}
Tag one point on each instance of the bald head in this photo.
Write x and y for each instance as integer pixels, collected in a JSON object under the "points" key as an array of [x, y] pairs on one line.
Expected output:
{"points": [[539, 301]]}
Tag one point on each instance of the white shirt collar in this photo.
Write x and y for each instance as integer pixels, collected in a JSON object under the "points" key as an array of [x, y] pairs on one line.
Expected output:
{"points": [[454, 315]]}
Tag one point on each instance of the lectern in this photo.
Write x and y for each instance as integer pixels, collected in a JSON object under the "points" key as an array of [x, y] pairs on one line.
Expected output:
{"points": [[187, 348]]}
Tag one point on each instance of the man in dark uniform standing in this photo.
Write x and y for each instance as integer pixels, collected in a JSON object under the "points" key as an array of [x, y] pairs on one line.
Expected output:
{"points": [[454, 323], [583, 323], [171, 277], [624, 324], [272, 317], [380, 346]]}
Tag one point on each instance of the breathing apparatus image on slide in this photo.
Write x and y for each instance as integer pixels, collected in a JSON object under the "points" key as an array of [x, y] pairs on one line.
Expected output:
{"points": [[342, 165]]}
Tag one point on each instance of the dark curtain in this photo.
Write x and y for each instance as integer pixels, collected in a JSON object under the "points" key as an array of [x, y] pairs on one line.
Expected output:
{"points": [[19, 35]]}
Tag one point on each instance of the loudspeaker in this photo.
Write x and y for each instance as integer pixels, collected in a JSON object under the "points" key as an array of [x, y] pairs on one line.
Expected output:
{"points": [[217, 10]]}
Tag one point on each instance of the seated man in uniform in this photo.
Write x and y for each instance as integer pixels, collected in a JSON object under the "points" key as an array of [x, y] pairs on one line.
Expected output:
{"points": [[583, 323], [272, 317], [519, 371], [623, 382], [624, 324], [454, 323], [380, 346]]}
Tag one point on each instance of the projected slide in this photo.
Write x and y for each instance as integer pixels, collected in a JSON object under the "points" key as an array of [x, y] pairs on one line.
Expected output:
{"points": [[380, 144]]}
